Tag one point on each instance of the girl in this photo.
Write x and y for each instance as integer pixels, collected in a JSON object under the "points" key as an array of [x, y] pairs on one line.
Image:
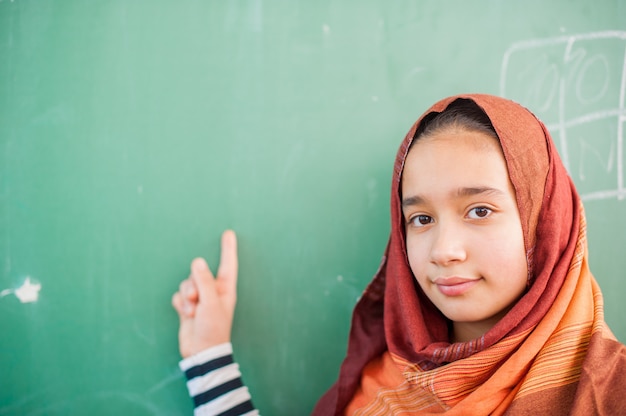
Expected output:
{"points": [[484, 303]]}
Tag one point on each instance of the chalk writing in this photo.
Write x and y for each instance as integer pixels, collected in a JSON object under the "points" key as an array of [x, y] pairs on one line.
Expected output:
{"points": [[576, 84]]}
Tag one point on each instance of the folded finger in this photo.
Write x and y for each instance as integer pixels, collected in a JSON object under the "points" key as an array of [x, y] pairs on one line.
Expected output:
{"points": [[202, 278], [177, 303], [189, 290]]}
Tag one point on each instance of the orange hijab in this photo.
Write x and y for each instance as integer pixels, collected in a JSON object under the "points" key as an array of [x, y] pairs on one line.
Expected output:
{"points": [[551, 354]]}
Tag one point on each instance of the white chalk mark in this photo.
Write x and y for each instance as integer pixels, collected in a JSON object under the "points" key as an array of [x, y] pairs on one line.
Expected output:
{"points": [[620, 130], [573, 75], [140, 333], [581, 76], [587, 118], [594, 196], [562, 130], [27, 293], [413, 72], [165, 382], [539, 43], [326, 29], [586, 150]]}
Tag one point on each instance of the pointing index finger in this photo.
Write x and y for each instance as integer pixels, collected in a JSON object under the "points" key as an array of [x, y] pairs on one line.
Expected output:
{"points": [[228, 259]]}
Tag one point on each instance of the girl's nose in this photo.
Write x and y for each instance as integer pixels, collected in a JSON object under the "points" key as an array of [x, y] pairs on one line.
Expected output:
{"points": [[448, 245]]}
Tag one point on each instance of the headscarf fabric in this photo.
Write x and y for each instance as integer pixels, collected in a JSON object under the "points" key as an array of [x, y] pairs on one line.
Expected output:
{"points": [[552, 353]]}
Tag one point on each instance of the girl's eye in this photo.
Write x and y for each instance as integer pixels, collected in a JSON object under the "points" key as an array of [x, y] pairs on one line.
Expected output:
{"points": [[421, 220], [479, 212]]}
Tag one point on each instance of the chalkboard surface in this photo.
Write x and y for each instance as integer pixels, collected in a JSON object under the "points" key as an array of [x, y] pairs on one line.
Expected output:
{"points": [[133, 132]]}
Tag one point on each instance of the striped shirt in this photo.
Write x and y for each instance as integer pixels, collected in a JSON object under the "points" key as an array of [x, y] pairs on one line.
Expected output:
{"points": [[214, 383]]}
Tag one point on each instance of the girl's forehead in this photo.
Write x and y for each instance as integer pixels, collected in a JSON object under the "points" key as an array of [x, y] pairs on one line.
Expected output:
{"points": [[464, 158], [449, 139]]}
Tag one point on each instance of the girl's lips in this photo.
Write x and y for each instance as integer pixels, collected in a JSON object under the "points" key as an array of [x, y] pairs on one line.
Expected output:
{"points": [[454, 286]]}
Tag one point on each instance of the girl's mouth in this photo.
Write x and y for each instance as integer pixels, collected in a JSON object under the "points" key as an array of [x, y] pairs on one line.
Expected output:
{"points": [[454, 286]]}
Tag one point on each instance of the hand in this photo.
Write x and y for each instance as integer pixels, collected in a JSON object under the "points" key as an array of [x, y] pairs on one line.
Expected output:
{"points": [[206, 304]]}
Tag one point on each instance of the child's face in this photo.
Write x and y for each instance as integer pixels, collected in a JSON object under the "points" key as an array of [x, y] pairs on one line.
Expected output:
{"points": [[463, 234]]}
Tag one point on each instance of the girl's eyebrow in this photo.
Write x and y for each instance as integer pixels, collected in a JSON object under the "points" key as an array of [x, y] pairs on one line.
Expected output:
{"points": [[460, 193], [471, 191], [412, 200]]}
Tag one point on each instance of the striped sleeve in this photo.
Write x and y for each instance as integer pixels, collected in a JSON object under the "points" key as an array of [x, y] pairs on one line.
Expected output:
{"points": [[214, 383]]}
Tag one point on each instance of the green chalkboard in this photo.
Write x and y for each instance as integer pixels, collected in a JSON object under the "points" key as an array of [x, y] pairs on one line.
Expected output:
{"points": [[133, 132]]}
